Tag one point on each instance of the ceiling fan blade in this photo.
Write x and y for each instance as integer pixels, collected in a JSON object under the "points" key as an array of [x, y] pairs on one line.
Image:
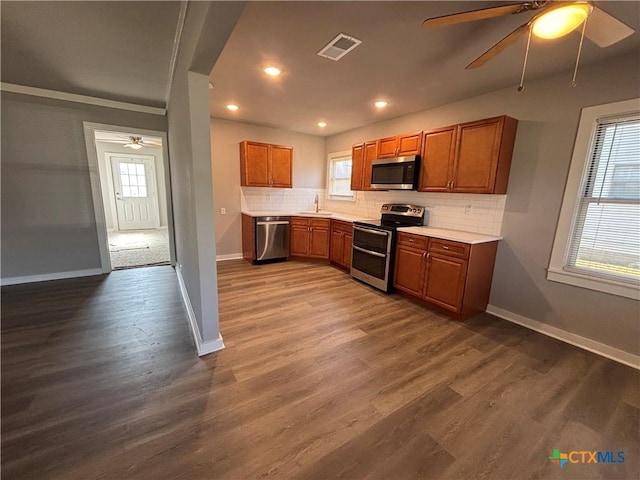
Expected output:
{"points": [[151, 144], [499, 47], [605, 30], [474, 15]]}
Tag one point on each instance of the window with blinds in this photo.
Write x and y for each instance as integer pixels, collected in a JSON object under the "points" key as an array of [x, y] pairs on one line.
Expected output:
{"points": [[605, 238]]}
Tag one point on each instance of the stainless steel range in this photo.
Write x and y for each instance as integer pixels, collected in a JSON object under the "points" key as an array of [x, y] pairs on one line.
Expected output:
{"points": [[374, 243]]}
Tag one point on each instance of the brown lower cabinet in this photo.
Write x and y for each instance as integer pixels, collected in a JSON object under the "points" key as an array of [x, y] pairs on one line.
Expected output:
{"points": [[309, 237], [248, 238], [341, 239], [453, 276]]}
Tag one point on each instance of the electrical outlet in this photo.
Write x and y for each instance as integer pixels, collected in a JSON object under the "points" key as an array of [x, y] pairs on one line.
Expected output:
{"points": [[467, 209], [223, 211]]}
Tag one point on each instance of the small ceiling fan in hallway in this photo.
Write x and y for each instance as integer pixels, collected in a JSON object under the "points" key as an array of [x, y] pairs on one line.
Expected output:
{"points": [[134, 142]]}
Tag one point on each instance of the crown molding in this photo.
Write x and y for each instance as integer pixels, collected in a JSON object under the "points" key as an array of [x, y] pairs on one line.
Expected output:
{"points": [[73, 97]]}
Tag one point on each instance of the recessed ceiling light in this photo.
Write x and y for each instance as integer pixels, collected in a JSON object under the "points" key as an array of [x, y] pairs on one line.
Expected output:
{"points": [[232, 107], [273, 71], [381, 104], [322, 124]]}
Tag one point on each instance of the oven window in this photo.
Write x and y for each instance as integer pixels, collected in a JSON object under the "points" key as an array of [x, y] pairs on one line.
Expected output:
{"points": [[374, 266], [393, 174], [371, 241]]}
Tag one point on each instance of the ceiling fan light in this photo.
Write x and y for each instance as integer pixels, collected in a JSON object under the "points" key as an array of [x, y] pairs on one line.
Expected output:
{"points": [[272, 71], [561, 21], [135, 146]]}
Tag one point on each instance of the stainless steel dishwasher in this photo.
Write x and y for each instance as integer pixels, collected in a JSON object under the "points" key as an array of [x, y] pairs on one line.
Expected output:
{"points": [[272, 238]]}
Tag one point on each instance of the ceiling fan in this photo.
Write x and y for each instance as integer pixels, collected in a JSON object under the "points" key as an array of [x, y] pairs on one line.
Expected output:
{"points": [[553, 19], [130, 141], [137, 143]]}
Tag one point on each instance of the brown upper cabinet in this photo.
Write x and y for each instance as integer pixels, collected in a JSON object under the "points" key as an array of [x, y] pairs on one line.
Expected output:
{"points": [[473, 157], [400, 145], [357, 162], [362, 156], [265, 165]]}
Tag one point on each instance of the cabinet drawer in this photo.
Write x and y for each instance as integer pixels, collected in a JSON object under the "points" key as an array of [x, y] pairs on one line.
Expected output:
{"points": [[320, 222], [409, 239], [447, 247], [302, 221], [341, 226]]}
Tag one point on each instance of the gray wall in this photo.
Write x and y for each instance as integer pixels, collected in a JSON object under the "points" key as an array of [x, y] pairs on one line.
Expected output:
{"points": [[549, 112], [106, 179], [207, 27], [309, 171], [48, 221]]}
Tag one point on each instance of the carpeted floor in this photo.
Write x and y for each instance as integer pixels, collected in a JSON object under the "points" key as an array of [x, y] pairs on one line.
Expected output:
{"points": [[135, 248]]}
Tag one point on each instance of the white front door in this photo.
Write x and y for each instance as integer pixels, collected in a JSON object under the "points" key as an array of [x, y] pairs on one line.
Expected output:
{"points": [[134, 183]]}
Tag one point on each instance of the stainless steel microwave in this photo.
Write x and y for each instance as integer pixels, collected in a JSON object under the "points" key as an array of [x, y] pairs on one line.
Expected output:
{"points": [[400, 173]]}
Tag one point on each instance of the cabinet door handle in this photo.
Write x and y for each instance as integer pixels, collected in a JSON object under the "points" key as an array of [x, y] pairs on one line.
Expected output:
{"points": [[445, 247]]}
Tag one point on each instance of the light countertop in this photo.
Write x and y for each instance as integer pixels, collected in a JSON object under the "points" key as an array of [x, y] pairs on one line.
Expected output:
{"points": [[454, 235], [330, 215], [443, 233]]}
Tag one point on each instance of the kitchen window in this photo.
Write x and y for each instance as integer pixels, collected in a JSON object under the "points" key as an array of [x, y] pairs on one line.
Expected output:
{"points": [[597, 243], [339, 176]]}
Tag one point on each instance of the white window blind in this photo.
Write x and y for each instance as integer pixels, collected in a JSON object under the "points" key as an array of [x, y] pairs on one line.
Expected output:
{"points": [[605, 239], [340, 176]]}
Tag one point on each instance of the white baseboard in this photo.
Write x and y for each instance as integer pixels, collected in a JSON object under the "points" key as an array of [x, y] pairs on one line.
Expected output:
{"points": [[204, 348], [230, 256], [45, 277], [593, 346]]}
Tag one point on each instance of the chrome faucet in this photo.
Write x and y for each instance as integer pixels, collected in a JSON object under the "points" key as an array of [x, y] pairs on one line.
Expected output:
{"points": [[317, 204]]}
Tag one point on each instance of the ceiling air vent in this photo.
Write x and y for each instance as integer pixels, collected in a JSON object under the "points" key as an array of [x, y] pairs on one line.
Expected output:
{"points": [[339, 47]]}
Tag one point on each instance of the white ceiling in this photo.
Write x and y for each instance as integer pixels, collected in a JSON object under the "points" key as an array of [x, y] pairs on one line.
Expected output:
{"points": [[115, 50], [415, 69], [122, 50]]}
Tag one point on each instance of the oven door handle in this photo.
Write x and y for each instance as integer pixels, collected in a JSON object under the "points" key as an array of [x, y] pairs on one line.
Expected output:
{"points": [[368, 230], [375, 254]]}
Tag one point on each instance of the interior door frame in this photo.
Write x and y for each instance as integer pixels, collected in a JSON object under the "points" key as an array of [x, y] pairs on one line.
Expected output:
{"points": [[112, 185], [96, 191]]}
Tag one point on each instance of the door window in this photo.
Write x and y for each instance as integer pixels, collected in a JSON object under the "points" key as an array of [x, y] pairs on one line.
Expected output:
{"points": [[133, 180]]}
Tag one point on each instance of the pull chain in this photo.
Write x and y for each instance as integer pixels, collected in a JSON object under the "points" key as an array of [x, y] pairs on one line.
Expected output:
{"points": [[575, 71], [524, 65]]}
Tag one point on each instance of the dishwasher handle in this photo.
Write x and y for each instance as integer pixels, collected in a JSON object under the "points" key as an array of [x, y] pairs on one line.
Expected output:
{"points": [[280, 222]]}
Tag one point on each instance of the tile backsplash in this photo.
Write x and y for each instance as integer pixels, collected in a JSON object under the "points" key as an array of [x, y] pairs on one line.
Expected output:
{"points": [[457, 211], [280, 199]]}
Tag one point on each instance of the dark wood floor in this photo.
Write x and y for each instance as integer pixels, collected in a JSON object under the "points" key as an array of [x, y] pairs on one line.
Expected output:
{"points": [[322, 377]]}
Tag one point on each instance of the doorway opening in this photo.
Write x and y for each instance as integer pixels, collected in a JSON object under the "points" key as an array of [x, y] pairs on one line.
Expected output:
{"points": [[133, 191]]}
